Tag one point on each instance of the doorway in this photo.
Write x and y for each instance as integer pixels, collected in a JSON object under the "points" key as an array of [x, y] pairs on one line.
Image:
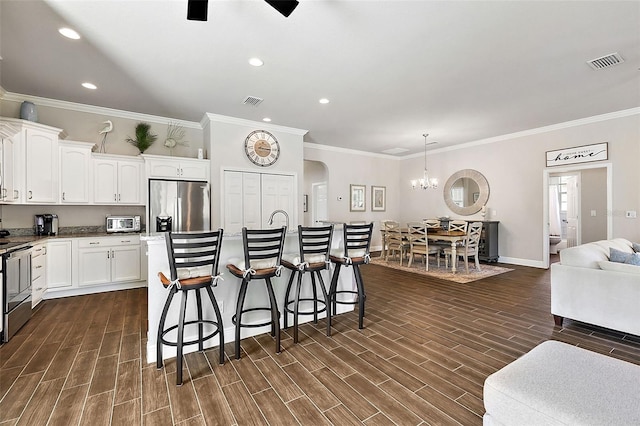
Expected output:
{"points": [[316, 178], [576, 206]]}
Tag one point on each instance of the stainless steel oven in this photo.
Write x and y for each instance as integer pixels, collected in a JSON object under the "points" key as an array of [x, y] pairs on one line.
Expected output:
{"points": [[16, 285]]}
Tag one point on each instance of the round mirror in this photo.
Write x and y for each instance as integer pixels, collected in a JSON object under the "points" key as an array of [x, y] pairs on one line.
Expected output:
{"points": [[466, 191]]}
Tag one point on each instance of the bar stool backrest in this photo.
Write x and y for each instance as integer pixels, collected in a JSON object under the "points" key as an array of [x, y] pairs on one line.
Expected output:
{"points": [[315, 243], [357, 239], [263, 247], [193, 253]]}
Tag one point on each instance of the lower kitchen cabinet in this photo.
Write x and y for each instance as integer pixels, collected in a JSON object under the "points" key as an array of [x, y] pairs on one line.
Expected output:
{"points": [[59, 264], [38, 273], [108, 260]]}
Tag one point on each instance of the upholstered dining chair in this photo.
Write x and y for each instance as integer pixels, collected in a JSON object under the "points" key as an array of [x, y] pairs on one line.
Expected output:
{"points": [[469, 247], [386, 225], [419, 243], [396, 242]]}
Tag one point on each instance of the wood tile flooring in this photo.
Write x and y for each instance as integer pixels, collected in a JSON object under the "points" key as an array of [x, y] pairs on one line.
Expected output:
{"points": [[422, 359]]}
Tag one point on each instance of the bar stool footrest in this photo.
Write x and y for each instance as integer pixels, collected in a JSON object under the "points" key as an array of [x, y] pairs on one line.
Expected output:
{"points": [[192, 342], [323, 308], [262, 324], [342, 302]]}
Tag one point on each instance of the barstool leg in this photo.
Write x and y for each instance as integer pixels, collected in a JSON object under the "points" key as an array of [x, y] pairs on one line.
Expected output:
{"points": [[361, 296], [314, 292], [296, 308], [216, 308], [200, 324], [286, 299], [326, 302], [333, 306], [239, 306], [274, 313], [183, 309], [163, 319]]}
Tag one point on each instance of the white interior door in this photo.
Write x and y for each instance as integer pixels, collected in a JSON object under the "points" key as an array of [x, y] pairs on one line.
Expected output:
{"points": [[573, 211], [319, 202], [278, 194]]}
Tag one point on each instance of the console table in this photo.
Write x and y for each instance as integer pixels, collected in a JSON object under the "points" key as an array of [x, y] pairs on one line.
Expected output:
{"points": [[488, 247]]}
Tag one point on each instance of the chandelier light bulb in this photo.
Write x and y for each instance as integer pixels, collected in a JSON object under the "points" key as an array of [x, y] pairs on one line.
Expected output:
{"points": [[425, 182]]}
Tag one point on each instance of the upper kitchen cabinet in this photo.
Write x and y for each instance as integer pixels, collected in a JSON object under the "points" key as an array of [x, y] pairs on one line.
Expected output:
{"points": [[75, 172], [8, 192], [35, 162], [178, 168], [117, 179]]}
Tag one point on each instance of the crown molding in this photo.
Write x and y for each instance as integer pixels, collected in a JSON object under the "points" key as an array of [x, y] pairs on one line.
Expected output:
{"points": [[210, 117], [311, 145], [539, 130], [92, 109]]}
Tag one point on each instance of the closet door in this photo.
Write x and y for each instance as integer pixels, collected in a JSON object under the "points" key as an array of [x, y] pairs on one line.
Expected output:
{"points": [[278, 194], [233, 202], [251, 200]]}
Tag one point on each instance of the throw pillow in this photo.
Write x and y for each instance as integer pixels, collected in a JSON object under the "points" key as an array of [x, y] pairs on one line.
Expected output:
{"points": [[633, 259], [636, 247], [616, 255]]}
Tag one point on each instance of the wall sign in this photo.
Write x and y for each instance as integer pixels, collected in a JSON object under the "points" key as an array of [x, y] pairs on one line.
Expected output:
{"points": [[578, 154]]}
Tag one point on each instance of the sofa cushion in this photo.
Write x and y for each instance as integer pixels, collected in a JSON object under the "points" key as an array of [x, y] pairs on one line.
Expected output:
{"points": [[619, 267], [588, 255], [636, 247], [619, 256]]}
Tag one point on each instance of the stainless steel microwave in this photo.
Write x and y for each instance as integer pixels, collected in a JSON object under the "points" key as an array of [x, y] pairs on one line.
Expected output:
{"points": [[123, 223]]}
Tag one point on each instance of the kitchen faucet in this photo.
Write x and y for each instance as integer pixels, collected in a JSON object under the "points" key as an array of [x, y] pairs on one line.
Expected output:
{"points": [[286, 216]]}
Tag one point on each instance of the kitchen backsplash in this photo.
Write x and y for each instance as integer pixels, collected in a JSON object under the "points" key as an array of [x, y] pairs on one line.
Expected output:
{"points": [[71, 217]]}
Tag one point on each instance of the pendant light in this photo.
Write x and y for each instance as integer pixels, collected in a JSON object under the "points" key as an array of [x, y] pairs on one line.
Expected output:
{"points": [[425, 182]]}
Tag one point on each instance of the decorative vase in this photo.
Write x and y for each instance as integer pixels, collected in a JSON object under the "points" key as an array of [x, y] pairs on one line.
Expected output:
{"points": [[28, 111]]}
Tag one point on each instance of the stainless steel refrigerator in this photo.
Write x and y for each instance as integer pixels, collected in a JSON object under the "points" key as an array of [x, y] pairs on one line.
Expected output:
{"points": [[179, 206]]}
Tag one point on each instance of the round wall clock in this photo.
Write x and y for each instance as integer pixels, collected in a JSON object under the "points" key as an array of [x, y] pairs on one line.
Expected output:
{"points": [[262, 148]]}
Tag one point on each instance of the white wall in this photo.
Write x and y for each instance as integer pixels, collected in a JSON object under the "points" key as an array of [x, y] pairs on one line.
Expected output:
{"points": [[513, 168]]}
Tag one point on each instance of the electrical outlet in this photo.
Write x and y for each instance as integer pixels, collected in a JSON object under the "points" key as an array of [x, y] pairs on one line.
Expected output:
{"points": [[631, 214], [593, 213]]}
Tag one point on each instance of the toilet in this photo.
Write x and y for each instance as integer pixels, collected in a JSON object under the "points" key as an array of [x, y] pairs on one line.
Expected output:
{"points": [[554, 240]]}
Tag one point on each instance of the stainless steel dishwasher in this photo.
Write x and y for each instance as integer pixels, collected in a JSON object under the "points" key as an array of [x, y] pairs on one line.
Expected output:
{"points": [[16, 287]]}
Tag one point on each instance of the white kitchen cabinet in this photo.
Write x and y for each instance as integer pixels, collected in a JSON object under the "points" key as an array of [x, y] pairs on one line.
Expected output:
{"points": [[41, 156], [179, 168], [59, 274], [38, 273], [117, 181], [249, 199], [108, 260], [75, 172], [8, 191]]}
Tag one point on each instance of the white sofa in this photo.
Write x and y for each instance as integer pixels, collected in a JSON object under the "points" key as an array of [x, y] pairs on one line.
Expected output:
{"points": [[587, 287]]}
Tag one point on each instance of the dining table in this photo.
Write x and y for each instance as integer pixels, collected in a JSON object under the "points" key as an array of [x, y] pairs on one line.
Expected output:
{"points": [[453, 237]]}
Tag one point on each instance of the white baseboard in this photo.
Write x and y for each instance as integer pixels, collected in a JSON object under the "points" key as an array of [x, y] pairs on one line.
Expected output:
{"points": [[522, 262], [79, 291]]}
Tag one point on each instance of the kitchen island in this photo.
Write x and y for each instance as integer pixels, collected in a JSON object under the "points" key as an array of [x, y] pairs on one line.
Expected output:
{"points": [[226, 292]]}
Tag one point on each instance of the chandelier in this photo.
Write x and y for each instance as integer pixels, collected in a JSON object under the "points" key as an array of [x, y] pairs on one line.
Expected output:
{"points": [[426, 182]]}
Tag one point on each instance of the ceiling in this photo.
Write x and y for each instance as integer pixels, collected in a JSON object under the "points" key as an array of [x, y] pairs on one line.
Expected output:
{"points": [[461, 71]]}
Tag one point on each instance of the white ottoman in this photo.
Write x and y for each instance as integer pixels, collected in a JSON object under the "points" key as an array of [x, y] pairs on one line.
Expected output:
{"points": [[559, 384]]}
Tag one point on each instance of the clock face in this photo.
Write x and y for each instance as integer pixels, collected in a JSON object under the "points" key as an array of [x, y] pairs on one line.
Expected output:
{"points": [[262, 148]]}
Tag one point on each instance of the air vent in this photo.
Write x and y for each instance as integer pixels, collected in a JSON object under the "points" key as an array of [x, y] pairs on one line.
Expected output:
{"points": [[394, 151], [252, 100], [606, 61]]}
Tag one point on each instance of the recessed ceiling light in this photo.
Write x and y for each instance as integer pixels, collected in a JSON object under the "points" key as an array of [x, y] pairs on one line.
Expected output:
{"points": [[89, 86], [69, 33], [324, 101], [267, 119], [256, 62]]}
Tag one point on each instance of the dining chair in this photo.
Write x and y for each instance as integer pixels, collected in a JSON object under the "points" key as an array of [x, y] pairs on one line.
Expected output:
{"points": [[458, 225], [386, 225], [419, 244], [431, 223], [469, 247], [396, 242]]}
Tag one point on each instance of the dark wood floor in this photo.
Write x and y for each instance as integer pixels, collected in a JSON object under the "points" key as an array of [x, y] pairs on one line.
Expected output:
{"points": [[427, 347]]}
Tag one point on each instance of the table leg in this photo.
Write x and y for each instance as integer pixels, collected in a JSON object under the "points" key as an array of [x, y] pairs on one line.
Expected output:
{"points": [[454, 257]]}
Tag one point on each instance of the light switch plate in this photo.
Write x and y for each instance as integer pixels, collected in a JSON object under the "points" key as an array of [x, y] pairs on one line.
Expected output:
{"points": [[593, 213], [631, 214]]}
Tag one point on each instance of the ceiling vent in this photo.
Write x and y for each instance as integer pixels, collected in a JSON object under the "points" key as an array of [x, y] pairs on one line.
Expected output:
{"points": [[606, 61], [252, 100]]}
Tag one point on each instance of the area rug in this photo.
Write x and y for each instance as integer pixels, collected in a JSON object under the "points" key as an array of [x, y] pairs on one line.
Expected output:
{"points": [[417, 267]]}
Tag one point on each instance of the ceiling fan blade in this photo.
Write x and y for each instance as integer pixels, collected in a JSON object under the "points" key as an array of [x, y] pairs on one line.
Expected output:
{"points": [[197, 10], [283, 6]]}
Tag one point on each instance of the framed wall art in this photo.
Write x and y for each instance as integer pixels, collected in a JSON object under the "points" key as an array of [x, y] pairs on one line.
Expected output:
{"points": [[378, 198], [578, 154], [357, 198]]}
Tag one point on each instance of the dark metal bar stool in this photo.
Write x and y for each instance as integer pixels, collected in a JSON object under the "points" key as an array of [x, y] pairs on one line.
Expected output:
{"points": [[262, 256], [193, 261], [355, 252], [313, 257]]}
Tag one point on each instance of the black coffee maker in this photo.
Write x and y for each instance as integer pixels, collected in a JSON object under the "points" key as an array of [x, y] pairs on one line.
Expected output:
{"points": [[46, 224]]}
